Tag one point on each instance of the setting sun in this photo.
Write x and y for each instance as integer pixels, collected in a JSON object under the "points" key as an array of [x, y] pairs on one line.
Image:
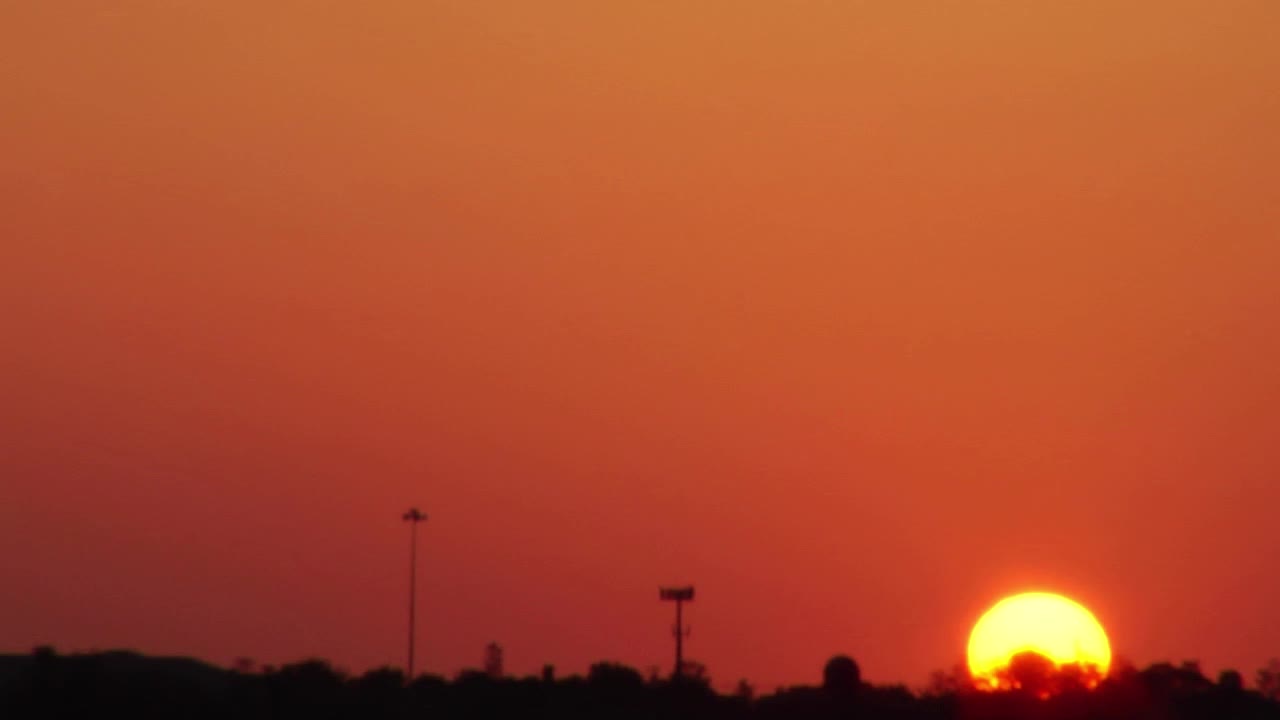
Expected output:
{"points": [[1052, 626]]}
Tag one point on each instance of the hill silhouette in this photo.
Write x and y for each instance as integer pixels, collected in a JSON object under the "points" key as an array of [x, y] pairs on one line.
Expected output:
{"points": [[129, 685]]}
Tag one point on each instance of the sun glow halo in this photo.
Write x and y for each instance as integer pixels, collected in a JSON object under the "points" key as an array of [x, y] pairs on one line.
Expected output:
{"points": [[1050, 625]]}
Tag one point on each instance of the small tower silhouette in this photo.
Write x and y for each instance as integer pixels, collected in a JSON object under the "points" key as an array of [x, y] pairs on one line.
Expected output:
{"points": [[493, 660], [678, 595]]}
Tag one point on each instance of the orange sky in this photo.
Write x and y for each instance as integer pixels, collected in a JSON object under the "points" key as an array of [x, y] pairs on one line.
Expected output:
{"points": [[856, 314]]}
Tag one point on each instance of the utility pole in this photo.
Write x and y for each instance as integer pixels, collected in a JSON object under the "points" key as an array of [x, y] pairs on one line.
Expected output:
{"points": [[680, 596], [413, 517]]}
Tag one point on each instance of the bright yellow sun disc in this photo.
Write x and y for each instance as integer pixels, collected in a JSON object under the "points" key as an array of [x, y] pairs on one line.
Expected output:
{"points": [[1050, 625]]}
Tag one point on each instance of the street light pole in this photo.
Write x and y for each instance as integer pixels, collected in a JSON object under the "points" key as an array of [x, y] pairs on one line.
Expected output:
{"points": [[413, 517]]}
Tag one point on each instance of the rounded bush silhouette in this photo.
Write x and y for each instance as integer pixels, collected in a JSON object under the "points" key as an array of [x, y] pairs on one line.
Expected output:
{"points": [[841, 674]]}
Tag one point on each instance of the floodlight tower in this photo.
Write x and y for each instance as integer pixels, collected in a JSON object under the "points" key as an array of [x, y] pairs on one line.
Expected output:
{"points": [[679, 595], [413, 517]]}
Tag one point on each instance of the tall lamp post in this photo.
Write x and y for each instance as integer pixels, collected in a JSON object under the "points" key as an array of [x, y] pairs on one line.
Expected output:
{"points": [[413, 517]]}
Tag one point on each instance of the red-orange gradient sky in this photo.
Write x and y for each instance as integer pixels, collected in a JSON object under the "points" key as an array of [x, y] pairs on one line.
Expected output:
{"points": [[856, 314]]}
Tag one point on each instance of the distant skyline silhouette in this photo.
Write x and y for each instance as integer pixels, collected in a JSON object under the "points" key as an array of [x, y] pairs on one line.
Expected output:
{"points": [[125, 684]]}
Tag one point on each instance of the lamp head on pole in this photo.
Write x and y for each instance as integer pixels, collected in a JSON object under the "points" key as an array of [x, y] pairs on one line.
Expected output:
{"points": [[676, 593], [414, 515]]}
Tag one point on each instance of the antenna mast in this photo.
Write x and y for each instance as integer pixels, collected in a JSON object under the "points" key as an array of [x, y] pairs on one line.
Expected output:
{"points": [[678, 595]]}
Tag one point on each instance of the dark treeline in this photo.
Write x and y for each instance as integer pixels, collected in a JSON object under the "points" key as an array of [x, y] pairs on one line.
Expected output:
{"points": [[128, 685]]}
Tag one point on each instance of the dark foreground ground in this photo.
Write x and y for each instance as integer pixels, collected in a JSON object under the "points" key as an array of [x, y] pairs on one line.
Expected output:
{"points": [[127, 685]]}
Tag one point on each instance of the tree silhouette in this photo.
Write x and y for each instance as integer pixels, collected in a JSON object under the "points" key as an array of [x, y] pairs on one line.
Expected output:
{"points": [[949, 682], [1268, 680], [1231, 681], [615, 678], [1032, 673], [841, 675], [128, 685]]}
